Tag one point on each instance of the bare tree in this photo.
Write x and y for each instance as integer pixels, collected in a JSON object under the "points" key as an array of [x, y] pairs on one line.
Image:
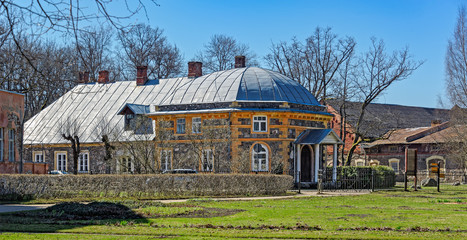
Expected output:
{"points": [[456, 62], [377, 71], [146, 46], [94, 46], [70, 130], [219, 53], [314, 63], [456, 88]]}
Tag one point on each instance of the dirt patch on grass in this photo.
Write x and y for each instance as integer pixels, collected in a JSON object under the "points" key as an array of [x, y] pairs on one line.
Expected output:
{"points": [[201, 213], [80, 211], [360, 215]]}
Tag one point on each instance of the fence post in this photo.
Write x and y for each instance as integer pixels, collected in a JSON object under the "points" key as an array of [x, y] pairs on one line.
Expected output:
{"points": [[372, 180]]}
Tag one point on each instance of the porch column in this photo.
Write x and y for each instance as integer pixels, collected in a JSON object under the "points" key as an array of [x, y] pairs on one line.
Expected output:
{"points": [[334, 163], [316, 161], [298, 169]]}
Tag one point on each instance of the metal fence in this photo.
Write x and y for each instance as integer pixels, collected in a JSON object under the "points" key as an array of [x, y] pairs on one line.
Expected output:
{"points": [[355, 179]]}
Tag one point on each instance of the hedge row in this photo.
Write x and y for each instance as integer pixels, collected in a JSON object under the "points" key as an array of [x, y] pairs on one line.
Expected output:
{"points": [[23, 187]]}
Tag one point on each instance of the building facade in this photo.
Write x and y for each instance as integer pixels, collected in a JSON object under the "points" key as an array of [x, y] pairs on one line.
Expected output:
{"points": [[242, 120], [11, 135], [433, 145]]}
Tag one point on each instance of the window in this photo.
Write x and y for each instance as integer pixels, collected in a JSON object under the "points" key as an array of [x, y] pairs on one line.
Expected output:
{"points": [[393, 148], [394, 164], [1, 144], [374, 163], [359, 162], [207, 161], [125, 165], [128, 121], [83, 162], [259, 158], [11, 145], [260, 124], [166, 160], [196, 125], [61, 161], [38, 156], [181, 125], [138, 124]]}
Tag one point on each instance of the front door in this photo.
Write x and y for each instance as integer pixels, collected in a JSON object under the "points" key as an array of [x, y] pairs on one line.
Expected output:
{"points": [[306, 164]]}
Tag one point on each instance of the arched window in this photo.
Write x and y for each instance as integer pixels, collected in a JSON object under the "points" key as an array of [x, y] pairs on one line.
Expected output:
{"points": [[394, 164], [259, 158]]}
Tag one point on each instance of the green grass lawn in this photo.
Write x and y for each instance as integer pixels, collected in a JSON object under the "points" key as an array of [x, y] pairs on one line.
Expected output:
{"points": [[395, 214]]}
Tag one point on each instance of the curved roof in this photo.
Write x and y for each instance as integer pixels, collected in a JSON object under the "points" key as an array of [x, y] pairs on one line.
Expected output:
{"points": [[92, 105], [239, 84]]}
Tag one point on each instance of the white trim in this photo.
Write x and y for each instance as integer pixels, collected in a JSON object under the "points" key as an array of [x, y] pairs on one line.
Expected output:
{"points": [[394, 160], [38, 156], [166, 155], [61, 160], [257, 166], [207, 160], [196, 126], [83, 162], [262, 124]]}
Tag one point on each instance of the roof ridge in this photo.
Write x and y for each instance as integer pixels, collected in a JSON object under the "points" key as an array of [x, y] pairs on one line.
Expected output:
{"points": [[427, 132]]}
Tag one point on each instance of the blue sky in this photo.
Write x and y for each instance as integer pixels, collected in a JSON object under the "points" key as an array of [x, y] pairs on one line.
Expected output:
{"points": [[423, 25]]}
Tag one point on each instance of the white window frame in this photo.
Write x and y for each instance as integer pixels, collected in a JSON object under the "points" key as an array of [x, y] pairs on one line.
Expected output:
{"points": [[207, 160], [359, 163], [181, 126], [83, 162], [11, 145], [394, 160], [166, 159], [122, 165], [61, 161], [259, 164], [2, 150], [260, 123], [196, 125], [37, 156]]}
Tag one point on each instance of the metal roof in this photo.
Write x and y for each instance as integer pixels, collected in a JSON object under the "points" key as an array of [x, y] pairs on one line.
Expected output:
{"points": [[318, 136], [136, 109], [94, 104]]}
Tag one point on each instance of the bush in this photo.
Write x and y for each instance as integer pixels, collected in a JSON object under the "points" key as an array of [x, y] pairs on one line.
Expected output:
{"points": [[26, 187]]}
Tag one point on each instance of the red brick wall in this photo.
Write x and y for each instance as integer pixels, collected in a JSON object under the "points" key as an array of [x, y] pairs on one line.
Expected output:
{"points": [[11, 115]]}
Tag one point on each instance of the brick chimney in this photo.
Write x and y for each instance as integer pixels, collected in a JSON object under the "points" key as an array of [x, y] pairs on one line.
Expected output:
{"points": [[239, 61], [435, 122], [83, 77], [195, 69], [141, 75], [103, 77]]}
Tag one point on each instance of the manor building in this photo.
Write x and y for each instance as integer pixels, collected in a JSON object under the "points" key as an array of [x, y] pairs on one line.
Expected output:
{"points": [[241, 120]]}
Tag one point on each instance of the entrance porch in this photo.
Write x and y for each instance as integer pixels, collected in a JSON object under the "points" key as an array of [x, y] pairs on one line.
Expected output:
{"points": [[308, 154]]}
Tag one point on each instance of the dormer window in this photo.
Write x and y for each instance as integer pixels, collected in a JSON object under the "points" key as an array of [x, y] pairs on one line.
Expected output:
{"points": [[135, 119], [128, 120]]}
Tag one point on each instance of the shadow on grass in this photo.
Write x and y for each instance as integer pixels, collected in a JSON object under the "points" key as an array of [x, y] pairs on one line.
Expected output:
{"points": [[69, 215]]}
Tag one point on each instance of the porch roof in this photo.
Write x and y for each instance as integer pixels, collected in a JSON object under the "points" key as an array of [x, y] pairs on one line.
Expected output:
{"points": [[318, 136]]}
